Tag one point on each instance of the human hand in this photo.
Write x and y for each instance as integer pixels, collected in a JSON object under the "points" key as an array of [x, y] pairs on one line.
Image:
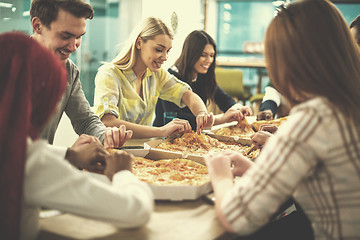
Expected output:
{"points": [[260, 138], [119, 160], [271, 128], [116, 137], [218, 167], [239, 163], [175, 126], [204, 120], [265, 115], [233, 114], [87, 153]]}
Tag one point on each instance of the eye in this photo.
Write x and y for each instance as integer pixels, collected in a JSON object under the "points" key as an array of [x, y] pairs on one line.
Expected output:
{"points": [[158, 50]]}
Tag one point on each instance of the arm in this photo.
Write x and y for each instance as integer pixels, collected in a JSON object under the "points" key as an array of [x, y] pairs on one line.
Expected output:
{"points": [[198, 108], [232, 110], [270, 104], [83, 119], [125, 202], [142, 131], [269, 182]]}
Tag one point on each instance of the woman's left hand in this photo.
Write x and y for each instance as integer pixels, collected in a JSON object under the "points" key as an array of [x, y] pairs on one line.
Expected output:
{"points": [[204, 120]]}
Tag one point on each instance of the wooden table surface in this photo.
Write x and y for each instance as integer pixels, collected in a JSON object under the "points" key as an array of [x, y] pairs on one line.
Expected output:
{"points": [[185, 220]]}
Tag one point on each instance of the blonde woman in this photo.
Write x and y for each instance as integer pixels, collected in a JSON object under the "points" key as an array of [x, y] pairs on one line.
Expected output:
{"points": [[127, 88], [313, 61]]}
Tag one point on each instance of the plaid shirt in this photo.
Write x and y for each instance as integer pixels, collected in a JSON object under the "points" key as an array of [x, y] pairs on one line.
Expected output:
{"points": [[115, 93], [315, 157]]}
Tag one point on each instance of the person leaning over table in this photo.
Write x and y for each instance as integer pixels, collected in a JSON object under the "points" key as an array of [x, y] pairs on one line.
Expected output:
{"points": [[314, 155], [127, 88], [59, 26], [273, 103], [355, 29], [34, 174], [196, 67]]}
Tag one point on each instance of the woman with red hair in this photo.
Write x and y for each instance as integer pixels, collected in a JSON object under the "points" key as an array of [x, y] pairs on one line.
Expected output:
{"points": [[35, 174]]}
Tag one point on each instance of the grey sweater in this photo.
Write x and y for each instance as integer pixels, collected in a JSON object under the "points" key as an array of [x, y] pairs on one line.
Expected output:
{"points": [[77, 108]]}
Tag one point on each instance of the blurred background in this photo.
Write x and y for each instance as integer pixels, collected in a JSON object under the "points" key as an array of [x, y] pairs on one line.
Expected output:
{"points": [[238, 26]]}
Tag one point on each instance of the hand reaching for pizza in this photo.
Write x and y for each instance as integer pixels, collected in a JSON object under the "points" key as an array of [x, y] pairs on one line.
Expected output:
{"points": [[219, 167], [233, 115], [221, 164], [87, 153], [260, 138], [117, 161], [204, 120], [175, 126], [265, 115], [271, 128], [116, 137]]}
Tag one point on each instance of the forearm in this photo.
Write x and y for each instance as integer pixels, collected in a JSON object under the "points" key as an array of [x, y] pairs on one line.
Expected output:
{"points": [[194, 102], [218, 120], [220, 189], [139, 131]]}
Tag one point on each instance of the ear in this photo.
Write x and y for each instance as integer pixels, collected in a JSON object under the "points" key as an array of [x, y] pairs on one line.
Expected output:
{"points": [[138, 43], [36, 25]]}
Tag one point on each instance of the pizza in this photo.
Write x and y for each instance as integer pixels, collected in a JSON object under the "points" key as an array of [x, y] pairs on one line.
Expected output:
{"points": [[199, 144], [243, 130], [170, 171], [276, 122]]}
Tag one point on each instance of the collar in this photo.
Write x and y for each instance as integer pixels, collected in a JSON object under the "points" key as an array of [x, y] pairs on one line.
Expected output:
{"points": [[130, 75]]}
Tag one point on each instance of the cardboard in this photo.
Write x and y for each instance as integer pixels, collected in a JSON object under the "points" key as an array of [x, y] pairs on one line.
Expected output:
{"points": [[245, 140], [172, 193], [155, 153]]}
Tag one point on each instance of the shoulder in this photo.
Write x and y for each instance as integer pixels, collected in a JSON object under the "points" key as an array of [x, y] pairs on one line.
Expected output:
{"points": [[109, 69], [71, 66]]}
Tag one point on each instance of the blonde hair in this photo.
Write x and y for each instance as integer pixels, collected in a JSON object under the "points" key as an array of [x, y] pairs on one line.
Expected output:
{"points": [[310, 51], [148, 29]]}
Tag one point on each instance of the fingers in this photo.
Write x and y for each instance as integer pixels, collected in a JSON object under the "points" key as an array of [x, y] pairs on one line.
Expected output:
{"points": [[204, 119], [271, 128], [116, 137], [246, 111]]}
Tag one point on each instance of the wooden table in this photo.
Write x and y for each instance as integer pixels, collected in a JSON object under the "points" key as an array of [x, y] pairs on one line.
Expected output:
{"points": [[257, 63], [186, 220]]}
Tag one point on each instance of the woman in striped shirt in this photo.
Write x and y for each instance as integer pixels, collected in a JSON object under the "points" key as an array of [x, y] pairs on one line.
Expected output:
{"points": [[313, 157]]}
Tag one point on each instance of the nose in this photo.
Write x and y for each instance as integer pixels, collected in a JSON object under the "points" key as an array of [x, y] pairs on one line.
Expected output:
{"points": [[164, 56], [74, 44]]}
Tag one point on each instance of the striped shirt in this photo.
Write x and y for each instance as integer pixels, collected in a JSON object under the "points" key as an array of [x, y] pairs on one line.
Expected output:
{"points": [[315, 157], [115, 93]]}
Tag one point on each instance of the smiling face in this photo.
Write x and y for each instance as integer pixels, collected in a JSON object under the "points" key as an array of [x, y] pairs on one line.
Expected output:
{"points": [[206, 59], [63, 36], [154, 52]]}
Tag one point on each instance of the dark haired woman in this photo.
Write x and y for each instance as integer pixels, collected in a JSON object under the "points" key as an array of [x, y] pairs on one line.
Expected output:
{"points": [[196, 67]]}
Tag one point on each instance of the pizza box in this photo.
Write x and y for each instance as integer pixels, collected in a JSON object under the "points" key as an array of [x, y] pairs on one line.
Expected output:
{"points": [[155, 153], [245, 140], [172, 193]]}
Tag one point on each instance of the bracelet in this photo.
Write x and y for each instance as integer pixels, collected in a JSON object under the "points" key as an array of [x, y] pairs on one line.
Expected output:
{"points": [[201, 111]]}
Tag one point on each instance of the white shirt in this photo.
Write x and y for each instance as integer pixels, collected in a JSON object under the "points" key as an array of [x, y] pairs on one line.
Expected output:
{"points": [[50, 181]]}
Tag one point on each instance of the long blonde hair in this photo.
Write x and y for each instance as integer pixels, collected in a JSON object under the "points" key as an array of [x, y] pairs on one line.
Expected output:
{"points": [[148, 29], [310, 51]]}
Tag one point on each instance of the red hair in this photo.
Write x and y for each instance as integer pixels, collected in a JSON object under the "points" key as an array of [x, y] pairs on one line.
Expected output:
{"points": [[32, 82]]}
